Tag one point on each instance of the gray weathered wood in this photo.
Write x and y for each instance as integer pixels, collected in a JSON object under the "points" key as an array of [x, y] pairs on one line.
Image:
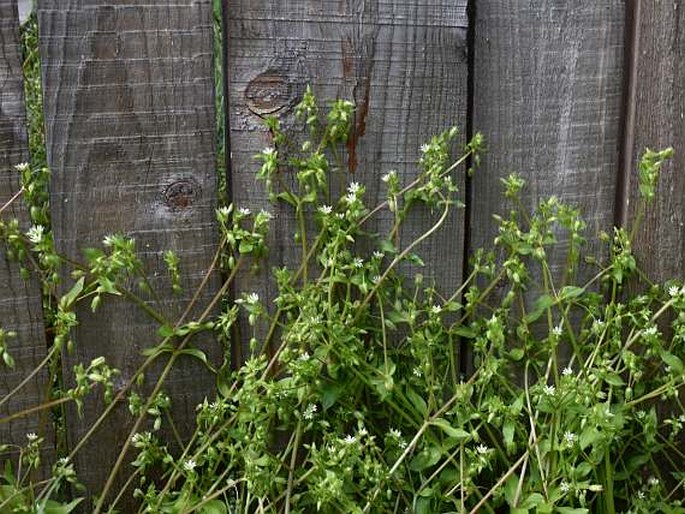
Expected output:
{"points": [[659, 122], [129, 110], [20, 301], [404, 64], [548, 93]]}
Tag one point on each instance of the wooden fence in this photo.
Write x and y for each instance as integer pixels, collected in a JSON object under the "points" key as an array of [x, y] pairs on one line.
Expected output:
{"points": [[566, 93]]}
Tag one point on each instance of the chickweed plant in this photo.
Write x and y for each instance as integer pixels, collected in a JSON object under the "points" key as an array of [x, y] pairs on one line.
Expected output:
{"points": [[353, 399]]}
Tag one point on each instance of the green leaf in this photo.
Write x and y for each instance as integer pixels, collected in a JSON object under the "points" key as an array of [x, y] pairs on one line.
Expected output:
{"points": [[588, 437], [214, 507], [614, 379], [508, 432], [165, 331], [156, 350], [92, 254], [200, 355], [516, 354], [68, 299], [418, 402], [330, 394], [388, 247], [107, 286], [532, 501], [245, 247], [569, 292], [571, 510], [672, 361], [457, 433], [423, 506], [425, 459], [53, 507], [9, 360], [287, 197], [466, 332], [543, 303]]}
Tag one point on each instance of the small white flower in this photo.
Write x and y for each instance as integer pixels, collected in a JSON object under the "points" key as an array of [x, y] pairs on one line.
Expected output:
{"points": [[358, 263], [395, 433], [244, 211], [567, 371], [376, 279], [325, 209], [651, 331], [482, 449], [557, 331], [436, 309], [350, 439], [252, 298], [417, 372], [641, 495], [22, 166], [224, 211], [653, 481], [388, 176], [424, 148], [378, 255], [108, 241], [189, 465], [35, 233], [266, 214], [673, 291], [549, 390], [570, 438], [304, 357], [268, 152], [31, 436], [597, 326], [353, 188], [363, 432], [310, 411], [565, 487]]}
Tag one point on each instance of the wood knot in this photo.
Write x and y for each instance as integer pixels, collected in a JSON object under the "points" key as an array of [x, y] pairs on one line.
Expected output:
{"points": [[180, 195], [268, 93]]}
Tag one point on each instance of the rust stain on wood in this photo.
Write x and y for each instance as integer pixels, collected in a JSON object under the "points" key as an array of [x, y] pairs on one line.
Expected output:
{"points": [[361, 75]]}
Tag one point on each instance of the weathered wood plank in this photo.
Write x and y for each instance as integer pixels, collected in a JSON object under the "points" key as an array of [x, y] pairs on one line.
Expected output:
{"points": [[129, 109], [548, 96], [20, 301], [659, 122], [403, 63]]}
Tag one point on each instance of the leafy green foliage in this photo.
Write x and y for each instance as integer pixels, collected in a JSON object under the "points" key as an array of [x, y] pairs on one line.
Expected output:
{"points": [[353, 398]]}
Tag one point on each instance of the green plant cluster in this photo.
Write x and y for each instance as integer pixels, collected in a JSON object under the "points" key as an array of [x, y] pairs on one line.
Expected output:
{"points": [[353, 398]]}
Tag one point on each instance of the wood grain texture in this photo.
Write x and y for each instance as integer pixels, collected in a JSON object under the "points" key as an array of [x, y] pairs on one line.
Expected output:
{"points": [[402, 62], [548, 95], [20, 301], [129, 109], [660, 123]]}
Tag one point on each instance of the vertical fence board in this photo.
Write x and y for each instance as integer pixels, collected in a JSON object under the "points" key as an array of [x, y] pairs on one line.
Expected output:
{"points": [[404, 64], [659, 122], [548, 96], [20, 301], [129, 109]]}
